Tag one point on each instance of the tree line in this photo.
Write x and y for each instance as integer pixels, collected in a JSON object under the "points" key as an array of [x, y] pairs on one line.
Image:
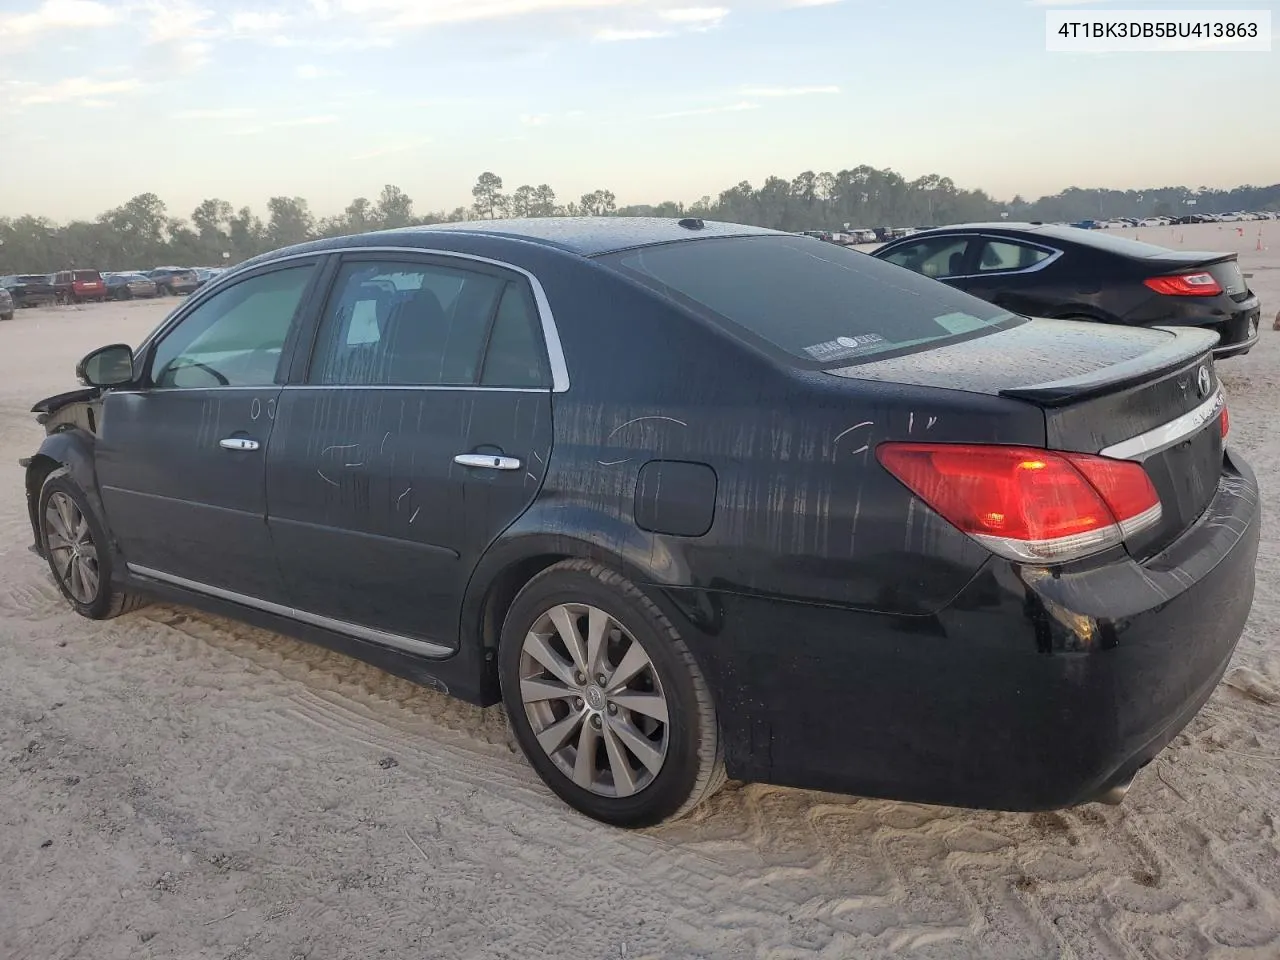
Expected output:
{"points": [[141, 233]]}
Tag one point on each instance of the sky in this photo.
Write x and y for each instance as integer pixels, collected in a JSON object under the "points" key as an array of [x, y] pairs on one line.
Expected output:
{"points": [[652, 99]]}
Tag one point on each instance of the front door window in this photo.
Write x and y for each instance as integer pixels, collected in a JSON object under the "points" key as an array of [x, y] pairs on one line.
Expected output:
{"points": [[235, 338]]}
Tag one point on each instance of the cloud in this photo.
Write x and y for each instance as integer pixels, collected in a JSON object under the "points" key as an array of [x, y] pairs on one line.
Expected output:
{"points": [[391, 149], [82, 90], [704, 111], [309, 71], [58, 15], [697, 18], [216, 113], [788, 91], [176, 22], [255, 23], [316, 121], [615, 35], [534, 119], [411, 14]]}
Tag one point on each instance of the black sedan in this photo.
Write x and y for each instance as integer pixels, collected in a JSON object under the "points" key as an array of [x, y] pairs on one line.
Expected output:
{"points": [[690, 499], [1072, 274]]}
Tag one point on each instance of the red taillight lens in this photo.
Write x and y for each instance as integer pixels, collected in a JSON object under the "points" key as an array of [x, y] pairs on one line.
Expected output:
{"points": [[1185, 285], [1224, 421], [1028, 504]]}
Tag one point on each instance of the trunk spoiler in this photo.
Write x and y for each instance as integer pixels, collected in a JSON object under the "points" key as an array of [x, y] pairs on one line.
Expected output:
{"points": [[1185, 345]]}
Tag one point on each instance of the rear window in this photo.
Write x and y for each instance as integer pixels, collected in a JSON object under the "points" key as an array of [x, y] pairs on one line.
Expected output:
{"points": [[86, 275], [1109, 242], [814, 301]]}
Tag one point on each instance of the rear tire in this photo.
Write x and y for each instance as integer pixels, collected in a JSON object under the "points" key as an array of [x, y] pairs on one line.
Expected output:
{"points": [[632, 750], [78, 551]]}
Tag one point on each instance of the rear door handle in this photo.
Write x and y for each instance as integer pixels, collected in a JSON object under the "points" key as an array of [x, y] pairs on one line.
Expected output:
{"points": [[238, 443], [487, 461]]}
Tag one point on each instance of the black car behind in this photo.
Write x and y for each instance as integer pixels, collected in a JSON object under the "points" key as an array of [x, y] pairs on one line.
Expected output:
{"points": [[1074, 274], [30, 289], [692, 499]]}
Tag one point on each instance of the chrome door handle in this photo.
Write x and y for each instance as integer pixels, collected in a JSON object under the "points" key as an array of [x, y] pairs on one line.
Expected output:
{"points": [[487, 461], [238, 443]]}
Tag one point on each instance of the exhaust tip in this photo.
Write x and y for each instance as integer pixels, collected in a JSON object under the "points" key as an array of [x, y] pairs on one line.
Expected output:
{"points": [[1114, 795]]}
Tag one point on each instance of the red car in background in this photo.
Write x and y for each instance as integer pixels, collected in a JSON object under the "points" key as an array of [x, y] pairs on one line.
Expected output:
{"points": [[79, 286]]}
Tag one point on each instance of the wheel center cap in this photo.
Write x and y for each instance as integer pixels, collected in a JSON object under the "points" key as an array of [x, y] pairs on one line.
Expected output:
{"points": [[595, 698]]}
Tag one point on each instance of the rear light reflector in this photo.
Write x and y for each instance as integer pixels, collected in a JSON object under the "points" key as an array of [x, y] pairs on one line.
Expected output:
{"points": [[1027, 504], [1185, 285]]}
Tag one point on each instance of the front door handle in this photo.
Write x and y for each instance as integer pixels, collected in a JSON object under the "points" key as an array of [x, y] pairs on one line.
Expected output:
{"points": [[238, 443], [487, 461]]}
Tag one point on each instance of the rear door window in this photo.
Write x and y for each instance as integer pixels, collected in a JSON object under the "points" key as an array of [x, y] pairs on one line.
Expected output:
{"points": [[936, 257], [1004, 256], [817, 303], [400, 323]]}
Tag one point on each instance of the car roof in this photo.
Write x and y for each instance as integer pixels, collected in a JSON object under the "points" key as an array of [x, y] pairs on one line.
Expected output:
{"points": [[592, 236], [580, 236]]}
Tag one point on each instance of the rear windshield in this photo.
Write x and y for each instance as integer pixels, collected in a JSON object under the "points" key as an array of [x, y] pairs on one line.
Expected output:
{"points": [[86, 275], [814, 301], [1104, 240]]}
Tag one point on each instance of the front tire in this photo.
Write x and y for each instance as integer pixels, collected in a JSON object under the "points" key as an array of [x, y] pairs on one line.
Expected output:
{"points": [[78, 552], [605, 699]]}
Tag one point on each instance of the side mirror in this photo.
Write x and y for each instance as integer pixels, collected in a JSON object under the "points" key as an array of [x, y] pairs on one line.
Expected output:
{"points": [[110, 366]]}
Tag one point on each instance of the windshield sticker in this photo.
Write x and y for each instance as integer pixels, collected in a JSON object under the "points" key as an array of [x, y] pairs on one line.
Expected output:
{"points": [[959, 322], [842, 348]]}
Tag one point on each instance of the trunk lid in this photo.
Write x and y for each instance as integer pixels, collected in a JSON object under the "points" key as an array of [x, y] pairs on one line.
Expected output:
{"points": [[1148, 394]]}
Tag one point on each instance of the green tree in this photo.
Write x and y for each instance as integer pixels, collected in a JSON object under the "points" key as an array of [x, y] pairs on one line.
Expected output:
{"points": [[291, 221], [599, 203], [524, 201], [489, 201], [394, 209]]}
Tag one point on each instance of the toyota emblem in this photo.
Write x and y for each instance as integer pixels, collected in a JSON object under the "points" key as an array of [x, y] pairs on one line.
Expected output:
{"points": [[1204, 381]]}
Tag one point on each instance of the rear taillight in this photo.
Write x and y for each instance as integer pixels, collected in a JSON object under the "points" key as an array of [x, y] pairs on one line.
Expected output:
{"points": [[1028, 504], [1186, 285], [1224, 421]]}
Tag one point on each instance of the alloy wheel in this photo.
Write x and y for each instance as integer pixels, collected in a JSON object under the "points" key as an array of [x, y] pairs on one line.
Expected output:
{"points": [[594, 700], [71, 546]]}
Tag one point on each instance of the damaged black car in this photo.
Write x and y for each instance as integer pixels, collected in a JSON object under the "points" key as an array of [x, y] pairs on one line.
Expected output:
{"points": [[692, 500]]}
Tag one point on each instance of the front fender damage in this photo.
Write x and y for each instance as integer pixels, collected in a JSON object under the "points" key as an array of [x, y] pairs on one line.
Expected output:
{"points": [[70, 422]]}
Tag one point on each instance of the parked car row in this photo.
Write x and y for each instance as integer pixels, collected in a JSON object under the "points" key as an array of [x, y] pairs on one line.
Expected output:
{"points": [[1120, 223], [92, 286]]}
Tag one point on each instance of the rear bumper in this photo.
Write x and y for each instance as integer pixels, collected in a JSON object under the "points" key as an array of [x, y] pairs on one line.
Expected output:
{"points": [[1032, 690], [1236, 323]]}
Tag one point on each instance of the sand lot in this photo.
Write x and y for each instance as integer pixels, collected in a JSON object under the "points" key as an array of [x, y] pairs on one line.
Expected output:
{"points": [[175, 785]]}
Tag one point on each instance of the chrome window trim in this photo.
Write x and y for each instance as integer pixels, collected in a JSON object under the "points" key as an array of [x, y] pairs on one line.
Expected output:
{"points": [[1167, 434], [381, 637], [1054, 254], [550, 332]]}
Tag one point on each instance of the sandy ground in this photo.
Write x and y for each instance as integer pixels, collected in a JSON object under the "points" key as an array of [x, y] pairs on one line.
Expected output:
{"points": [[175, 785]]}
